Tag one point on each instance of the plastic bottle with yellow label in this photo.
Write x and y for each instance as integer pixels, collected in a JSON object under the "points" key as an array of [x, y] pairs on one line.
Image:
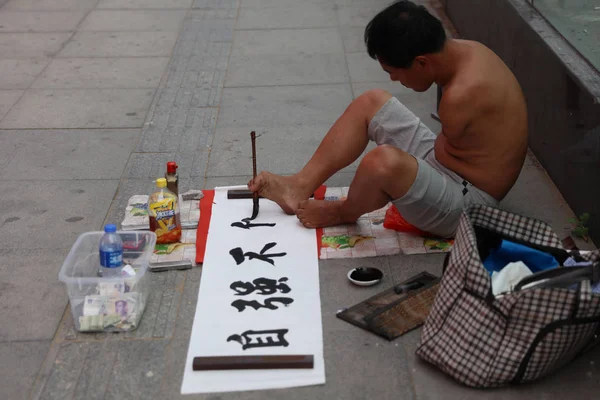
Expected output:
{"points": [[163, 212]]}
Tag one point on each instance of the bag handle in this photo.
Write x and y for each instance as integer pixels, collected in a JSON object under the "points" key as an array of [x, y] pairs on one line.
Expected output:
{"points": [[561, 277]]}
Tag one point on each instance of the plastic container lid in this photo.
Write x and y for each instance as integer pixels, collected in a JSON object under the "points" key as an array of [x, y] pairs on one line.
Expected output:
{"points": [[161, 182], [110, 228]]}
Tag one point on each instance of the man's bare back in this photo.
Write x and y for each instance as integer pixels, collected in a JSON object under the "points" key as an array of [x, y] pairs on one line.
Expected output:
{"points": [[484, 122]]}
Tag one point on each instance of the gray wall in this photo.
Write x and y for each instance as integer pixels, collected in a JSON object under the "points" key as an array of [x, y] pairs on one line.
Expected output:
{"points": [[562, 93]]}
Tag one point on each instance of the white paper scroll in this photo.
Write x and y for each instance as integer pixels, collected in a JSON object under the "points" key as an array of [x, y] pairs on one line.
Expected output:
{"points": [[291, 322]]}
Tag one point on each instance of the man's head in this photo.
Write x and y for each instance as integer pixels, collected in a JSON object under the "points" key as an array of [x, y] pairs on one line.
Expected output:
{"points": [[402, 37]]}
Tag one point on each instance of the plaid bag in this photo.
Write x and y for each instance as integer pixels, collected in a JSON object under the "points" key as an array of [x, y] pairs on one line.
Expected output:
{"points": [[486, 341]]}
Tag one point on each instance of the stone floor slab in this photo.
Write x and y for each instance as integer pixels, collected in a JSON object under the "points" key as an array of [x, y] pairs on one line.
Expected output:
{"points": [[359, 15], [52, 214], [39, 21], [287, 69], [299, 15], [354, 39], [216, 4], [143, 4], [20, 366], [79, 108], [287, 41], [31, 45], [49, 5], [248, 108], [8, 98], [19, 74], [153, 165], [121, 20], [103, 73], [364, 69], [119, 44], [33, 299], [69, 154], [278, 3]]}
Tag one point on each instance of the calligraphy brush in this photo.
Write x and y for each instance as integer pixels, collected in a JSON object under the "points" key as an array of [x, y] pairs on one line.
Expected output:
{"points": [[255, 195]]}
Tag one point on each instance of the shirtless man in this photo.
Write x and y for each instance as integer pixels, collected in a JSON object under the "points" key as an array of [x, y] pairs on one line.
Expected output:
{"points": [[476, 158]]}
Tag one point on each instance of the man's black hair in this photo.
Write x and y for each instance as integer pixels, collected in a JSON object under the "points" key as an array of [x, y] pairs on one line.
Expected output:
{"points": [[402, 32]]}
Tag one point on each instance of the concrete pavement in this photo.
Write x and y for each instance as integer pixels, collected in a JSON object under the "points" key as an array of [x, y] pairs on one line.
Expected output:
{"points": [[95, 97]]}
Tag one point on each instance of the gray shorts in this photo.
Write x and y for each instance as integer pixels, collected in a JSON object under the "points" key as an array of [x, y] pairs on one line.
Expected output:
{"points": [[438, 195]]}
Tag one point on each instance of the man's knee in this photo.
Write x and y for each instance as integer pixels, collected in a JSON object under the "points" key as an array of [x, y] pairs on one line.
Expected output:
{"points": [[371, 101], [387, 162]]}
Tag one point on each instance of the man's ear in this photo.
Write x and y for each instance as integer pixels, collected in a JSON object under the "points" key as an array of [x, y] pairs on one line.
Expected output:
{"points": [[422, 61]]}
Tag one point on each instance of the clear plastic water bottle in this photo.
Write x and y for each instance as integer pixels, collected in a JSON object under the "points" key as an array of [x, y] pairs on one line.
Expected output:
{"points": [[111, 252]]}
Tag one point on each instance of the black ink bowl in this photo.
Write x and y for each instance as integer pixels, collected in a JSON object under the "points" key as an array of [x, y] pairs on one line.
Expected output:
{"points": [[365, 276]]}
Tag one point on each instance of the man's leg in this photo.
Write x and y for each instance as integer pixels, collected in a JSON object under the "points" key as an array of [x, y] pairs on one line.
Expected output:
{"points": [[343, 144], [385, 173]]}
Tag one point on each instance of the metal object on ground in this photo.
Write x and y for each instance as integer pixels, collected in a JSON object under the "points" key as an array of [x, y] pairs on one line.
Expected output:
{"points": [[169, 265], [255, 196]]}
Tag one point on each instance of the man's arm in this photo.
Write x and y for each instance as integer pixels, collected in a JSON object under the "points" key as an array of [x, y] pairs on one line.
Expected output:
{"points": [[456, 111]]}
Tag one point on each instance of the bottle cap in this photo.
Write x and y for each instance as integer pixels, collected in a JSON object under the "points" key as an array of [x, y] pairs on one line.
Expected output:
{"points": [[110, 228], [161, 182], [172, 167]]}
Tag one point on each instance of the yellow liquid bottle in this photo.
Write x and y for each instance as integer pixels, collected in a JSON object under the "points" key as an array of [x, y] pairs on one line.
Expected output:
{"points": [[163, 212]]}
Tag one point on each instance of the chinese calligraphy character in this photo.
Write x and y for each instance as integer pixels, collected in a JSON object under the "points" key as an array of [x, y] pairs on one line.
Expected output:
{"points": [[241, 304], [246, 224], [269, 338], [263, 286], [239, 255]]}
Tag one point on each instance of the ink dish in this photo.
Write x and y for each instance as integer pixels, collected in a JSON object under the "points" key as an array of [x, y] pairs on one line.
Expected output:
{"points": [[365, 276]]}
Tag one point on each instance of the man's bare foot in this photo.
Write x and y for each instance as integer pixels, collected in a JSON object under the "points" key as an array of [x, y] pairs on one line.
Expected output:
{"points": [[321, 213], [286, 191]]}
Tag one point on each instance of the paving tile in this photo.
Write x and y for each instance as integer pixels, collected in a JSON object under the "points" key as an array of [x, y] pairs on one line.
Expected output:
{"points": [[119, 44], [152, 165], [364, 69], [299, 15], [8, 99], [183, 129], [421, 104], [231, 154], [73, 73], [287, 69], [278, 3], [354, 39], [358, 15], [532, 185], [287, 41], [142, 4], [33, 212], [107, 370], [33, 299], [20, 366], [18, 74], [248, 108], [70, 154], [79, 108], [49, 5], [121, 20], [216, 4], [39, 21], [31, 45]]}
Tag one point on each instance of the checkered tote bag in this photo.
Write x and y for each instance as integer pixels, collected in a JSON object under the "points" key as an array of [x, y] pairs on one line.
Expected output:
{"points": [[486, 341]]}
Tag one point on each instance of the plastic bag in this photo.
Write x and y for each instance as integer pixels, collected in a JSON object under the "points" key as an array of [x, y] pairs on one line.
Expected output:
{"points": [[393, 220]]}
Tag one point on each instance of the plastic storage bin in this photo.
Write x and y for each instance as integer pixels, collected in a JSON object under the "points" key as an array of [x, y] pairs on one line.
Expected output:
{"points": [[107, 304]]}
